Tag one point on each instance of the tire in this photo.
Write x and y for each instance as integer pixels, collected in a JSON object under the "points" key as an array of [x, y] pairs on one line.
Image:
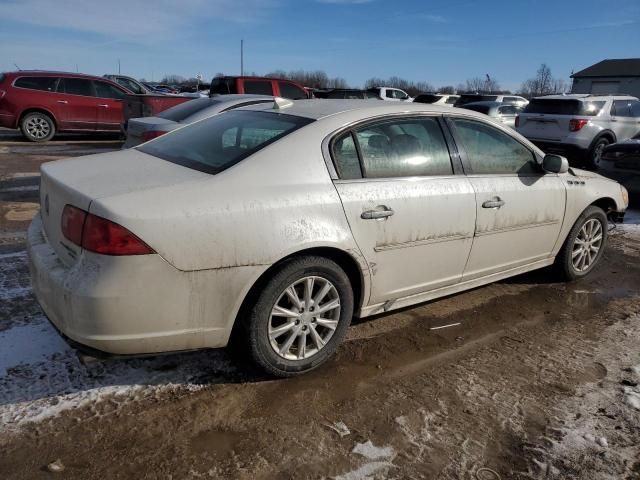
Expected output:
{"points": [[568, 258], [268, 346], [595, 153], [37, 127]]}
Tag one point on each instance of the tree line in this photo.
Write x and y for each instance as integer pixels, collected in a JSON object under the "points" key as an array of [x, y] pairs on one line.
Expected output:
{"points": [[542, 83]]}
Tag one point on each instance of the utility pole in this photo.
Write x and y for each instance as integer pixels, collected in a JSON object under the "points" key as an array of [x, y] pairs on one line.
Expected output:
{"points": [[242, 58], [76, 68]]}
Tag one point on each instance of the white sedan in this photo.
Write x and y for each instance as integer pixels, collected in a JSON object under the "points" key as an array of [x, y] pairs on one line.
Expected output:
{"points": [[280, 222]]}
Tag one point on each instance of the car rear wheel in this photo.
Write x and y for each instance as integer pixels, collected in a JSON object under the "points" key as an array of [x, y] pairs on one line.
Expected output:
{"points": [[300, 316], [37, 127], [595, 154], [584, 245]]}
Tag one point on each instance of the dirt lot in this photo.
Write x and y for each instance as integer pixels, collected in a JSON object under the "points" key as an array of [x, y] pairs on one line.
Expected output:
{"points": [[539, 381]]}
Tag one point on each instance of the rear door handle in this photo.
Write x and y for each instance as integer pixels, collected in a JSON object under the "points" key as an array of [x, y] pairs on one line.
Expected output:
{"points": [[495, 202], [63, 101], [380, 212], [103, 105]]}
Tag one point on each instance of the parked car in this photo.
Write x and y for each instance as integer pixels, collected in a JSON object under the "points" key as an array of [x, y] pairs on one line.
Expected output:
{"points": [[258, 86], [437, 98], [345, 93], [151, 104], [167, 89], [624, 154], [580, 125], [390, 94], [279, 222], [129, 83], [42, 103], [141, 130], [480, 97], [499, 112]]}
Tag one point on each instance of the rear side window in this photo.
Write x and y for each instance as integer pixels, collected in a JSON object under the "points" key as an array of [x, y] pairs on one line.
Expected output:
{"points": [[398, 148], [219, 142], [186, 109], [106, 90], [289, 90], [258, 87], [563, 107], [75, 86], [489, 150], [47, 84], [345, 156]]}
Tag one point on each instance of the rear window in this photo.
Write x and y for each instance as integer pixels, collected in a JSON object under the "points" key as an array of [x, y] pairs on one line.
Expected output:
{"points": [[427, 98], [217, 143], [222, 86], [186, 109], [47, 84], [563, 107], [464, 99]]}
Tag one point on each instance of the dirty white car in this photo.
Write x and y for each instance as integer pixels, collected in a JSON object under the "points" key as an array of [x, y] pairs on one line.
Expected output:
{"points": [[280, 222]]}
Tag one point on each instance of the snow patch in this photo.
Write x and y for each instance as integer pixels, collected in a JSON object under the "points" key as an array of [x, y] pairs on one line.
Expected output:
{"points": [[381, 461], [370, 451]]}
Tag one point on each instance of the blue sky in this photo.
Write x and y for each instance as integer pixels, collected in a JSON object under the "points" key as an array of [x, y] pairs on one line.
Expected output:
{"points": [[442, 42]]}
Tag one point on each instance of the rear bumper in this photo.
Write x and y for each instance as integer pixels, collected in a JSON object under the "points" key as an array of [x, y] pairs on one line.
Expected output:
{"points": [[129, 305]]}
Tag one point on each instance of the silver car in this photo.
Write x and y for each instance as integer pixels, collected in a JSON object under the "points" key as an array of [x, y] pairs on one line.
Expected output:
{"points": [[580, 125], [273, 225], [505, 114], [140, 130]]}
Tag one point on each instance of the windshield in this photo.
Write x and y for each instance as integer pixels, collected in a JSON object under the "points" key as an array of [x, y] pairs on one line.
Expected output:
{"points": [[186, 109], [217, 143], [563, 107]]}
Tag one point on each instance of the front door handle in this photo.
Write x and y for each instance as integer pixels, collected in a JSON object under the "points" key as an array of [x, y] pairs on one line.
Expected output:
{"points": [[103, 105], [63, 101], [380, 212], [495, 202]]}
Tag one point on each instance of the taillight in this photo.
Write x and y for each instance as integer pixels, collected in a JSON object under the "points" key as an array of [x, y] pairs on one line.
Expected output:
{"points": [[576, 124], [517, 120], [100, 235], [146, 136]]}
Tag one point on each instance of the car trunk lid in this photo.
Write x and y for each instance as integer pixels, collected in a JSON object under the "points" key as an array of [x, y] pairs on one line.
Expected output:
{"points": [[80, 181]]}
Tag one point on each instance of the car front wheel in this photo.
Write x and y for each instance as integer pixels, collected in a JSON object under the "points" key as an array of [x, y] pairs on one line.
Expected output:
{"points": [[584, 245], [300, 316], [595, 154], [37, 127]]}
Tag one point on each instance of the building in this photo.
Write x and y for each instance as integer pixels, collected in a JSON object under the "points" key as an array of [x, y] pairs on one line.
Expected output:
{"points": [[609, 76]]}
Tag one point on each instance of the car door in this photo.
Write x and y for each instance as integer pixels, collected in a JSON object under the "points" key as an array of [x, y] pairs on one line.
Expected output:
{"points": [[110, 106], [624, 121], [79, 107], [520, 208], [411, 216]]}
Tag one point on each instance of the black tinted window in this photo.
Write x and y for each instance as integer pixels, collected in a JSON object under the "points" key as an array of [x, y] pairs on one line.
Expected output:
{"points": [[223, 86], [403, 148], [563, 107], [186, 109], [258, 87], [289, 90], [345, 157], [105, 90], [75, 86], [427, 98], [488, 150], [217, 143], [47, 84], [464, 99], [477, 108]]}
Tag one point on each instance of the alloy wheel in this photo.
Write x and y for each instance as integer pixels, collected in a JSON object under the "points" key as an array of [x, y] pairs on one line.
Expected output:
{"points": [[38, 127], [587, 245]]}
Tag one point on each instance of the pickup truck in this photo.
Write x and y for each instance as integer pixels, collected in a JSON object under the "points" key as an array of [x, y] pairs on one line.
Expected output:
{"points": [[391, 94]]}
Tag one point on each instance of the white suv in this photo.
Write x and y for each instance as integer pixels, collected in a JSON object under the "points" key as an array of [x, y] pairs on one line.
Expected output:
{"points": [[580, 125]]}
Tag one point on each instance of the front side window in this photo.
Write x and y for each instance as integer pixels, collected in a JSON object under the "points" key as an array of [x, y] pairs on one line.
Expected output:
{"points": [[289, 90], [129, 85], [403, 148], [75, 86], [489, 150], [622, 108], [47, 84], [219, 142], [105, 90], [258, 87]]}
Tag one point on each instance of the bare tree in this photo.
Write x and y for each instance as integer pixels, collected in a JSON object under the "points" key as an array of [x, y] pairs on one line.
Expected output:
{"points": [[172, 79], [447, 89], [412, 88], [543, 83]]}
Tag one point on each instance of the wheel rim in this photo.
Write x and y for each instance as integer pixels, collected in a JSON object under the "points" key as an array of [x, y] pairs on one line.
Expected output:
{"points": [[597, 153], [38, 127], [587, 245], [304, 318]]}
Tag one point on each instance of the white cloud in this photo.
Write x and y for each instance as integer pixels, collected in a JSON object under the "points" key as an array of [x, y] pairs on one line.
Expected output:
{"points": [[132, 19]]}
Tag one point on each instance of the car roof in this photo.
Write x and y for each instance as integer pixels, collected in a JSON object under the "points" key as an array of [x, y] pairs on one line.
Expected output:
{"points": [[317, 109], [585, 96], [489, 103], [32, 73], [239, 96]]}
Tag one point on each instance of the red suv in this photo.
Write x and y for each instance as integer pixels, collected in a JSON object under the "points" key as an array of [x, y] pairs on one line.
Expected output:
{"points": [[44, 103]]}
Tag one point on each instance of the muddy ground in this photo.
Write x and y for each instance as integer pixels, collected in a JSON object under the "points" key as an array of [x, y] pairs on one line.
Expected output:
{"points": [[539, 381]]}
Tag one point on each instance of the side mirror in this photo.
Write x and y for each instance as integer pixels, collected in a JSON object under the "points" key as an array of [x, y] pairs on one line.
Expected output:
{"points": [[555, 164]]}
